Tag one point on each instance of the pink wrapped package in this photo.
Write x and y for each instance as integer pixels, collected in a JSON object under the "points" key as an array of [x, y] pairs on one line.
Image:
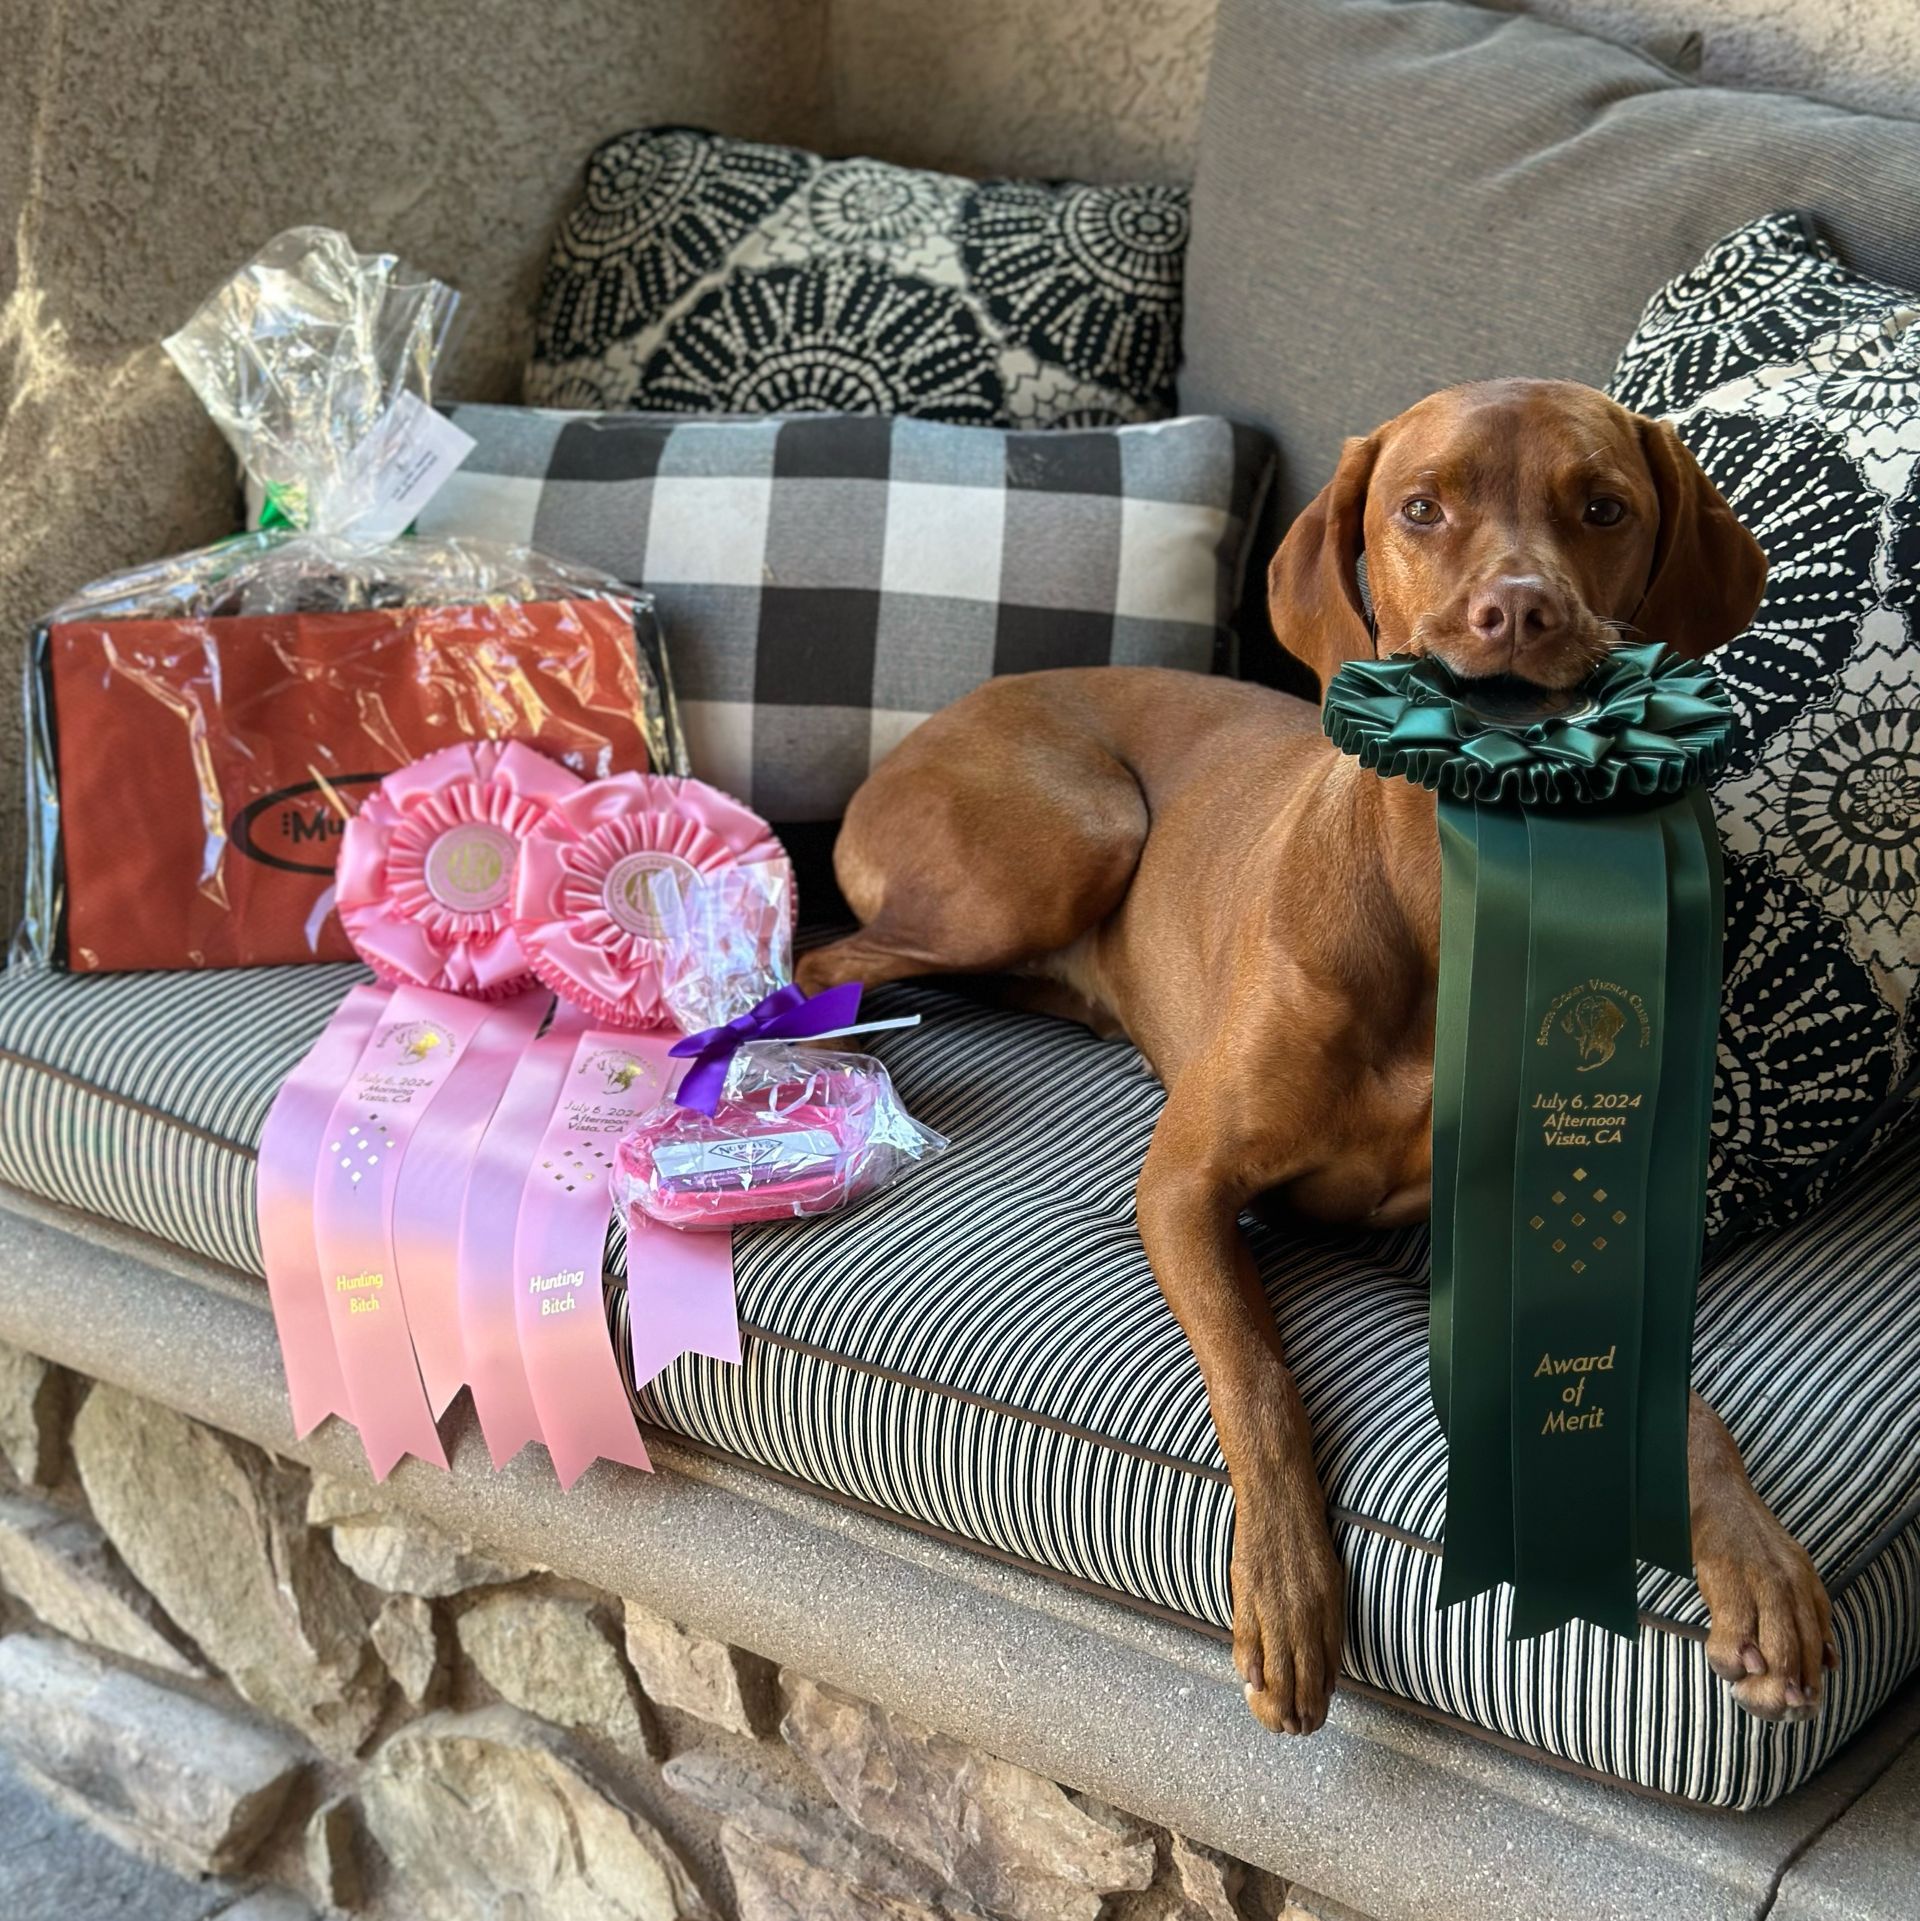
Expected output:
{"points": [[764, 1125]]}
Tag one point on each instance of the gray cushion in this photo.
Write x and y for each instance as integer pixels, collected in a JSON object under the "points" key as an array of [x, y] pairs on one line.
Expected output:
{"points": [[1392, 197]]}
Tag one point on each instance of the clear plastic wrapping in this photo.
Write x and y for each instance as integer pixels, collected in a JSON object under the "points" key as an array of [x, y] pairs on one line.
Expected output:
{"points": [[200, 728], [727, 941], [316, 362], [797, 1129]]}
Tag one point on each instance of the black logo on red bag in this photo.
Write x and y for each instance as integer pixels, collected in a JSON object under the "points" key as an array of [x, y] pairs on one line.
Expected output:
{"points": [[297, 829]]}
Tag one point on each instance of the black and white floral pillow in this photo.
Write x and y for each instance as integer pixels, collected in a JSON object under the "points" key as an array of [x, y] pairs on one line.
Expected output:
{"points": [[704, 275], [1797, 385]]}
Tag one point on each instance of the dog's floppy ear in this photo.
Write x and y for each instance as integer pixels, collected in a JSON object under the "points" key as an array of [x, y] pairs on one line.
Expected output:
{"points": [[1707, 571], [1313, 594]]}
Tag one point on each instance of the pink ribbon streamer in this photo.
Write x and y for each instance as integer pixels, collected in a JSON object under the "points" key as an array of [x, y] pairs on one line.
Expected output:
{"points": [[434, 1182], [680, 1296], [489, 1336], [407, 1060], [433, 1187], [608, 1081], [290, 1145]]}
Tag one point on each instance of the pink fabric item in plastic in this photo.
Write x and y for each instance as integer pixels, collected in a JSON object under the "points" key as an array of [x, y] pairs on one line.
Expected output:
{"points": [[426, 871], [751, 1161], [583, 908]]}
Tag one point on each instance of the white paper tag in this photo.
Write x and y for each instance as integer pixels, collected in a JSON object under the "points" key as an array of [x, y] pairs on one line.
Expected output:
{"points": [[411, 461], [422, 449]]}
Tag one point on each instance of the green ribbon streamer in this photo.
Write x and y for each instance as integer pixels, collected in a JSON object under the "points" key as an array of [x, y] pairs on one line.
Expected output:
{"points": [[1574, 1034]]}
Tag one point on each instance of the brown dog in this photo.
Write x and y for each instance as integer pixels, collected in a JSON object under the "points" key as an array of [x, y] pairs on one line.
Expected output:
{"points": [[1189, 860]]}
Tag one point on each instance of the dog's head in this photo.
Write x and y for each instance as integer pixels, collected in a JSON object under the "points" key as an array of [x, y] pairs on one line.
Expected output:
{"points": [[1514, 527]]}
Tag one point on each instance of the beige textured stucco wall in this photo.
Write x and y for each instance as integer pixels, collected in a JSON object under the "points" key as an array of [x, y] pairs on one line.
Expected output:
{"points": [[1093, 89], [148, 146]]}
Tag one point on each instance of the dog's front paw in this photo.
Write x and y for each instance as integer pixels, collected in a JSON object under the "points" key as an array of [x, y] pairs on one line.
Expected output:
{"points": [[1289, 1618], [1771, 1635]]}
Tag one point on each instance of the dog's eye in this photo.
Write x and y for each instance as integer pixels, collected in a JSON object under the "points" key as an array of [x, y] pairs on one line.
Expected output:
{"points": [[1605, 512], [1422, 511]]}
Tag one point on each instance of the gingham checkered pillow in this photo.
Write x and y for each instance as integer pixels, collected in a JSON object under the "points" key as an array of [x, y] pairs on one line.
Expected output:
{"points": [[827, 581]]}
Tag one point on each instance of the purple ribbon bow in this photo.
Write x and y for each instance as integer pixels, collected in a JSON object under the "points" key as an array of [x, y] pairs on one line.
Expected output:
{"points": [[785, 1015]]}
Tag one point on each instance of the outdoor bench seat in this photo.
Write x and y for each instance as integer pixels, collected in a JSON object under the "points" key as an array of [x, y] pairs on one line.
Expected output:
{"points": [[982, 1354]]}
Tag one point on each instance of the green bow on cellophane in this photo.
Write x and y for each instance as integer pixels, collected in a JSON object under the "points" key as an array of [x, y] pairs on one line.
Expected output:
{"points": [[1575, 1023]]}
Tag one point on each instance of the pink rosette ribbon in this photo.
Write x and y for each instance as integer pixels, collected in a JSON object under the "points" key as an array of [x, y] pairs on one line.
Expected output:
{"points": [[583, 902], [424, 885]]}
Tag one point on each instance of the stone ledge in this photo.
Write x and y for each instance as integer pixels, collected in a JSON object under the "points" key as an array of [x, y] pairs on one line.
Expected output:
{"points": [[1868, 1863], [1389, 1814]]}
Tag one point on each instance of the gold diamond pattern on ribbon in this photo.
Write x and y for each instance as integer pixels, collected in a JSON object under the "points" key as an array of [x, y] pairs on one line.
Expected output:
{"points": [[1597, 1243]]}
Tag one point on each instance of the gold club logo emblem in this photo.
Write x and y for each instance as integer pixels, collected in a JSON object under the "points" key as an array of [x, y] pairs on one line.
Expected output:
{"points": [[417, 1040], [619, 1069], [1594, 1021]]}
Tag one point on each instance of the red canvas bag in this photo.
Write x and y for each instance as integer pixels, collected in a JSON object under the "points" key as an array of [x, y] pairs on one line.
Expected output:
{"points": [[201, 769]]}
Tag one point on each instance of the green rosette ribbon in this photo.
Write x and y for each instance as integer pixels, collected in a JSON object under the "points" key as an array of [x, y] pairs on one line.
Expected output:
{"points": [[1574, 1035]]}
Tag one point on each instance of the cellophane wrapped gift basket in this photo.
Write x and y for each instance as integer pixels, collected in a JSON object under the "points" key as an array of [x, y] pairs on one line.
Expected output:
{"points": [[202, 727]]}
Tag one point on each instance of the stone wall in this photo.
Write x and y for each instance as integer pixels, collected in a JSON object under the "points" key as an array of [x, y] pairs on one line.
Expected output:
{"points": [[277, 1683]]}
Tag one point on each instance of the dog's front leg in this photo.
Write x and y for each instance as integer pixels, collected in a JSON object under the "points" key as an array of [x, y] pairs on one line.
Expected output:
{"points": [[1289, 1605], [1771, 1635]]}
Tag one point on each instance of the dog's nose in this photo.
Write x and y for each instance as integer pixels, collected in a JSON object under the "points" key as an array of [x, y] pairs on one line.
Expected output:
{"points": [[1514, 608]]}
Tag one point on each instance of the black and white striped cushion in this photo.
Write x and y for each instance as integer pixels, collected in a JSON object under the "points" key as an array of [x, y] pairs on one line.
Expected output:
{"points": [[982, 1353]]}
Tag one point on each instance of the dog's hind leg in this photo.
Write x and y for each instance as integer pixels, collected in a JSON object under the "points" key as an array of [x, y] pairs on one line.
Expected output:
{"points": [[994, 836]]}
